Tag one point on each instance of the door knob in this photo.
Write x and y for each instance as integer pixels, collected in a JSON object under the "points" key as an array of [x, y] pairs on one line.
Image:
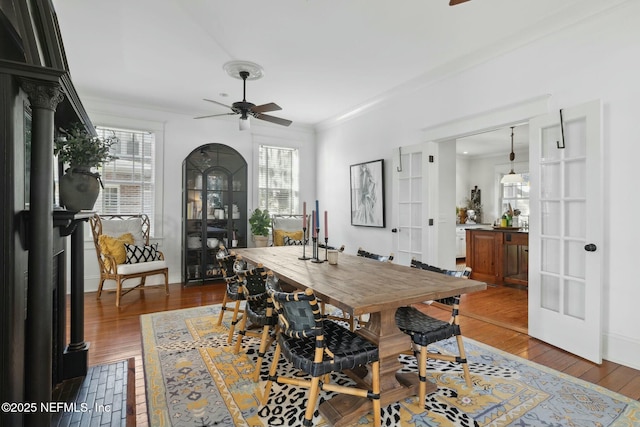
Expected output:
{"points": [[394, 230], [590, 247]]}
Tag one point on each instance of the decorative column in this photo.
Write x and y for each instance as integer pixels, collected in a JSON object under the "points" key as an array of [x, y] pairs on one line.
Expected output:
{"points": [[44, 98]]}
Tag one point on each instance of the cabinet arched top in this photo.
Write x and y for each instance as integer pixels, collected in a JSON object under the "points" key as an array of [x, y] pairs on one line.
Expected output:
{"points": [[208, 156]]}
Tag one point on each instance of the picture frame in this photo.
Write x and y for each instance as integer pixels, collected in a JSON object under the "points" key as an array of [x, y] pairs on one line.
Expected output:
{"points": [[367, 194]]}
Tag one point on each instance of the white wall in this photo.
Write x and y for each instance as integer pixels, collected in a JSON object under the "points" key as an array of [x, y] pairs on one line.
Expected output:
{"points": [[178, 136], [596, 59]]}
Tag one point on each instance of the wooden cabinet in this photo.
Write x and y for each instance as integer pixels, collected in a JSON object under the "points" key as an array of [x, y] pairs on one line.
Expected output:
{"points": [[516, 258], [498, 256], [482, 254], [214, 209]]}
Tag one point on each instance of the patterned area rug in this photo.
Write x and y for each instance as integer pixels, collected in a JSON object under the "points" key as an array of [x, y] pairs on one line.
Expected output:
{"points": [[193, 378]]}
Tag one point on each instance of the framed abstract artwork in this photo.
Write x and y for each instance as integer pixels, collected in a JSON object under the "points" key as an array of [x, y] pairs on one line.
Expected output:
{"points": [[367, 194]]}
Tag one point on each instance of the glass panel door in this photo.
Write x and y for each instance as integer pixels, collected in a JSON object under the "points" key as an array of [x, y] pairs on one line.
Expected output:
{"points": [[410, 205], [565, 229]]}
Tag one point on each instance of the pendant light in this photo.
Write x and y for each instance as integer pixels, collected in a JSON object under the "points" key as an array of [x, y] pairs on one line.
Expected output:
{"points": [[512, 177]]}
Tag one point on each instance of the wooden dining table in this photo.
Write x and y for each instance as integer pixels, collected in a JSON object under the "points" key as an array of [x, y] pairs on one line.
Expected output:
{"points": [[360, 286]]}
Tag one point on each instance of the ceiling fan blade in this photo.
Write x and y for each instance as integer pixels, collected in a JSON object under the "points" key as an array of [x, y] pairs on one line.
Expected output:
{"points": [[216, 102], [216, 115], [455, 2], [265, 108], [272, 119]]}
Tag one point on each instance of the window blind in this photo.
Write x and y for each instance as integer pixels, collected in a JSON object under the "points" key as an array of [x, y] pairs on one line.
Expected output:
{"points": [[278, 180], [129, 181]]}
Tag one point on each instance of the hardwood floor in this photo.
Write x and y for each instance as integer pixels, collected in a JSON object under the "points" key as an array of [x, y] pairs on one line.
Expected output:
{"points": [[491, 317]]}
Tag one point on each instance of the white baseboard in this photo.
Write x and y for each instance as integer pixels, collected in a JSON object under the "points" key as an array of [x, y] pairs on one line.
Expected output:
{"points": [[91, 282], [621, 349]]}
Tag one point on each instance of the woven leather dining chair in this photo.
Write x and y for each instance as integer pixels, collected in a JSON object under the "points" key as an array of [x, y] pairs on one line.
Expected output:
{"points": [[319, 347], [424, 330], [443, 303], [377, 257], [230, 265], [259, 311]]}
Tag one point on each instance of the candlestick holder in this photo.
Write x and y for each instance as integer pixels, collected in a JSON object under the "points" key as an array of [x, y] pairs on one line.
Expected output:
{"points": [[315, 249], [304, 256], [326, 248]]}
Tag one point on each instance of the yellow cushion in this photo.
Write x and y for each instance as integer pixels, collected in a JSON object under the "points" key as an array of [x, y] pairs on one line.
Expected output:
{"points": [[278, 236], [114, 246]]}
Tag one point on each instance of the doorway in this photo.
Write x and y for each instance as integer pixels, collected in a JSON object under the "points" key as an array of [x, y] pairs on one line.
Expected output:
{"points": [[481, 160]]}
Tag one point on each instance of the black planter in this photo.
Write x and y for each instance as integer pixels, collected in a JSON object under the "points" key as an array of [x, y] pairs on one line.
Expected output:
{"points": [[79, 189]]}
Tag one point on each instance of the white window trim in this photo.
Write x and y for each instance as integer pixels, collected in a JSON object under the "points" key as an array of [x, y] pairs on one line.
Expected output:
{"points": [[253, 172], [107, 120]]}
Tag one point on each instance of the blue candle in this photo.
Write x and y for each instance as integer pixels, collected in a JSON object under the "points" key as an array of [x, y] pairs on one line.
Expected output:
{"points": [[317, 215]]}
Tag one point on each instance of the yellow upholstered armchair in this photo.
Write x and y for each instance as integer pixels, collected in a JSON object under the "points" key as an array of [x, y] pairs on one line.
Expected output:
{"points": [[123, 251], [287, 229]]}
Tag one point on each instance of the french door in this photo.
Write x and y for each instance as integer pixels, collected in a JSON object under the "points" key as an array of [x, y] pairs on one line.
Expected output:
{"points": [[566, 230], [416, 198]]}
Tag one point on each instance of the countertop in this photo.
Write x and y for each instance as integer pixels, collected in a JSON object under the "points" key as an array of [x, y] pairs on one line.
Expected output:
{"points": [[489, 227]]}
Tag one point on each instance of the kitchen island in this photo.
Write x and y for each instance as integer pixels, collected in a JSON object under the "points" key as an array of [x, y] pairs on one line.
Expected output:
{"points": [[498, 255]]}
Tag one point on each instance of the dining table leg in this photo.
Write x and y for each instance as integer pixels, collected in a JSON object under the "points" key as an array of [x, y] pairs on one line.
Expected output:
{"points": [[342, 410]]}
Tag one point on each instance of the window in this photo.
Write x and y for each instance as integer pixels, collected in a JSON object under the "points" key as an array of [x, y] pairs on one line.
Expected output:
{"points": [[517, 194], [278, 180], [110, 200], [129, 181]]}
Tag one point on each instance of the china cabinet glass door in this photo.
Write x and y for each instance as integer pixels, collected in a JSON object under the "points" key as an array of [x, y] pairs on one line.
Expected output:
{"points": [[214, 211]]}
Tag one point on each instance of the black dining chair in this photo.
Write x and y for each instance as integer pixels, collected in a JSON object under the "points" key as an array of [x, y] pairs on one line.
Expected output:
{"points": [[258, 311], [424, 330], [318, 347], [230, 264], [377, 257], [443, 303]]}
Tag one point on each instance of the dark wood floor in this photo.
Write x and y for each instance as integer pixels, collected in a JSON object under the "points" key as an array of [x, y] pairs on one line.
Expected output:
{"points": [[496, 317]]}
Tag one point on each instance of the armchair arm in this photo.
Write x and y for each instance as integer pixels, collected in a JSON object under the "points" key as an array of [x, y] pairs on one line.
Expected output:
{"points": [[109, 264]]}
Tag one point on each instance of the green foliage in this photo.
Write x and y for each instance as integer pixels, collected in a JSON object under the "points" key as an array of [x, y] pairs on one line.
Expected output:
{"points": [[77, 147], [260, 222]]}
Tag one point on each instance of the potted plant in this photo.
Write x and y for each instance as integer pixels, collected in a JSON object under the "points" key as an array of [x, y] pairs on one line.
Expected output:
{"points": [[82, 151], [260, 222]]}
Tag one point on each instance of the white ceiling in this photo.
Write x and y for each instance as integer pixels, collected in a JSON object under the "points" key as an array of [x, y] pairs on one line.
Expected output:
{"points": [[322, 58], [496, 142]]}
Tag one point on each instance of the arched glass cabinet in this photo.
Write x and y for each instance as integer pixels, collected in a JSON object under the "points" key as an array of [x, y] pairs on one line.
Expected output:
{"points": [[214, 211]]}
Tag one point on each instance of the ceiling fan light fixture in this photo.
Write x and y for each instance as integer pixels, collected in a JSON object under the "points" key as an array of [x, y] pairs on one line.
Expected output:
{"points": [[512, 177], [245, 124], [245, 70]]}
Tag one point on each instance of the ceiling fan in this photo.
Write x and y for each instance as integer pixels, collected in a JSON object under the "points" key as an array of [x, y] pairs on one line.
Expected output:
{"points": [[246, 109], [455, 2]]}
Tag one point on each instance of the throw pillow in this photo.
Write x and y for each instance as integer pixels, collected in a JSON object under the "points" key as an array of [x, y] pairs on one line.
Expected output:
{"points": [[279, 235], [114, 246], [288, 241], [116, 227], [136, 254]]}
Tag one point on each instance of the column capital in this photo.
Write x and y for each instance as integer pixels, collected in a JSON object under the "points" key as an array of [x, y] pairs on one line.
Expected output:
{"points": [[43, 94]]}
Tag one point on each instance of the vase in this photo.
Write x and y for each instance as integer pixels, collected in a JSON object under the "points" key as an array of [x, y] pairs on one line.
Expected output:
{"points": [[261, 241], [79, 189]]}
